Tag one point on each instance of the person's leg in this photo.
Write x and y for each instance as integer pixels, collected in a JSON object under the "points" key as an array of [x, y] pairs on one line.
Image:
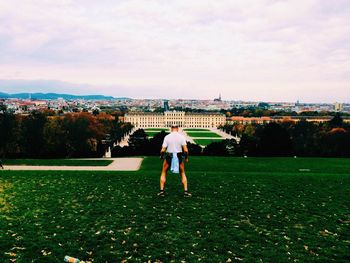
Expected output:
{"points": [[183, 175], [163, 175]]}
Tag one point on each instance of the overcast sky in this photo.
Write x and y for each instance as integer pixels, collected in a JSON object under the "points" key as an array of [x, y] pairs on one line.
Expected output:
{"points": [[266, 50]]}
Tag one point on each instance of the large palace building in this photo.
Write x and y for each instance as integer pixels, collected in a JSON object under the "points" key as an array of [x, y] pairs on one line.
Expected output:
{"points": [[180, 118]]}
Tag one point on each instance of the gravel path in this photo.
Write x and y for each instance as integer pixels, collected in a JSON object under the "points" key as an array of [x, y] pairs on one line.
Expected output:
{"points": [[118, 164]]}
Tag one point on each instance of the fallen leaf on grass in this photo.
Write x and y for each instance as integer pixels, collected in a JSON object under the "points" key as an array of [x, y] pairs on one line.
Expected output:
{"points": [[17, 248], [326, 233], [11, 254]]}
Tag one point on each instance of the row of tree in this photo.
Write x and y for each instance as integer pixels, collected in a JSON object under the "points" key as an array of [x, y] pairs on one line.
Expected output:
{"points": [[329, 139], [38, 135], [261, 111]]}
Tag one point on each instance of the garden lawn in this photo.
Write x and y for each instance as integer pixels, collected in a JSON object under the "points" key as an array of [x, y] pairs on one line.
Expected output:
{"points": [[205, 142], [203, 134], [156, 129], [152, 133], [242, 210], [57, 162], [195, 130]]}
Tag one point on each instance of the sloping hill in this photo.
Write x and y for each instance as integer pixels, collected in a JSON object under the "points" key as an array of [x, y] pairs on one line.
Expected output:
{"points": [[242, 209]]}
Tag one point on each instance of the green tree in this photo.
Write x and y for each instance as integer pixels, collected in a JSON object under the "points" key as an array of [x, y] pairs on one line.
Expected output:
{"points": [[194, 149], [336, 121], [248, 145], [32, 138], [275, 141], [304, 136], [8, 134], [3, 108], [79, 135], [215, 149], [335, 143], [56, 138], [138, 142], [155, 143]]}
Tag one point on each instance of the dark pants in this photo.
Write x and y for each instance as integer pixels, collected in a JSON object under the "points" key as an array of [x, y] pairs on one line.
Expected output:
{"points": [[169, 157]]}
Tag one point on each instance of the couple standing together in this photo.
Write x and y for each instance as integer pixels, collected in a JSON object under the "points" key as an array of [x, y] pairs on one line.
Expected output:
{"points": [[175, 150]]}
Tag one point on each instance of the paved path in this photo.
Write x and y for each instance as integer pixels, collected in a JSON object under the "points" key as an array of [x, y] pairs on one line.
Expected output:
{"points": [[225, 135], [118, 164], [188, 138]]}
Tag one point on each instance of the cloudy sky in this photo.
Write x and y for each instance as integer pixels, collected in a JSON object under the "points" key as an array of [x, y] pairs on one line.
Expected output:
{"points": [[267, 50]]}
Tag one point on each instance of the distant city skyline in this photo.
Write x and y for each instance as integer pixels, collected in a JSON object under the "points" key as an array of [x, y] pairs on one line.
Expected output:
{"points": [[264, 50]]}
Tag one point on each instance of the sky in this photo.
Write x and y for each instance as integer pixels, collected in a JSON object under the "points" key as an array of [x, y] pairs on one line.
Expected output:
{"points": [[263, 50]]}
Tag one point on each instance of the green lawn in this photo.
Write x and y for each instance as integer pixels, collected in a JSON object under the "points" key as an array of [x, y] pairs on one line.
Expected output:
{"points": [[203, 134], [57, 162], [152, 132], [242, 210], [156, 129], [205, 142], [195, 130]]}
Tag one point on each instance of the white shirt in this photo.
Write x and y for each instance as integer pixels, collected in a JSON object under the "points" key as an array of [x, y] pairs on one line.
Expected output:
{"points": [[174, 142]]}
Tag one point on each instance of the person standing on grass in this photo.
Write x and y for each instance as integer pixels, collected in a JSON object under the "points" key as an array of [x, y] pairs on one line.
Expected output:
{"points": [[176, 153]]}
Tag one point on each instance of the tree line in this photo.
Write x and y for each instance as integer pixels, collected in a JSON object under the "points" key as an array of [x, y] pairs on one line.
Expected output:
{"points": [[325, 139], [304, 139], [263, 111], [39, 135]]}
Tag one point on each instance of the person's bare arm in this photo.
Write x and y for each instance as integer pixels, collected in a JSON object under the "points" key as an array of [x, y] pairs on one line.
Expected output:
{"points": [[162, 151], [185, 149]]}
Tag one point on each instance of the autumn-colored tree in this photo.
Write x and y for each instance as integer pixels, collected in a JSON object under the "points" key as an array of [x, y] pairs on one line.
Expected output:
{"points": [[83, 132], [56, 138]]}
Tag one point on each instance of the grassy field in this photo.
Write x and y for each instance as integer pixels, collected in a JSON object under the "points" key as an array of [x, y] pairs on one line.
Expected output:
{"points": [[195, 130], [157, 129], [57, 162], [205, 142], [152, 133], [242, 210], [203, 134]]}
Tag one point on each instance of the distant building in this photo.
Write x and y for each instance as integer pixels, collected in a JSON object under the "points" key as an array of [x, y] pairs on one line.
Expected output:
{"points": [[338, 106], [166, 105], [218, 99], [180, 118]]}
